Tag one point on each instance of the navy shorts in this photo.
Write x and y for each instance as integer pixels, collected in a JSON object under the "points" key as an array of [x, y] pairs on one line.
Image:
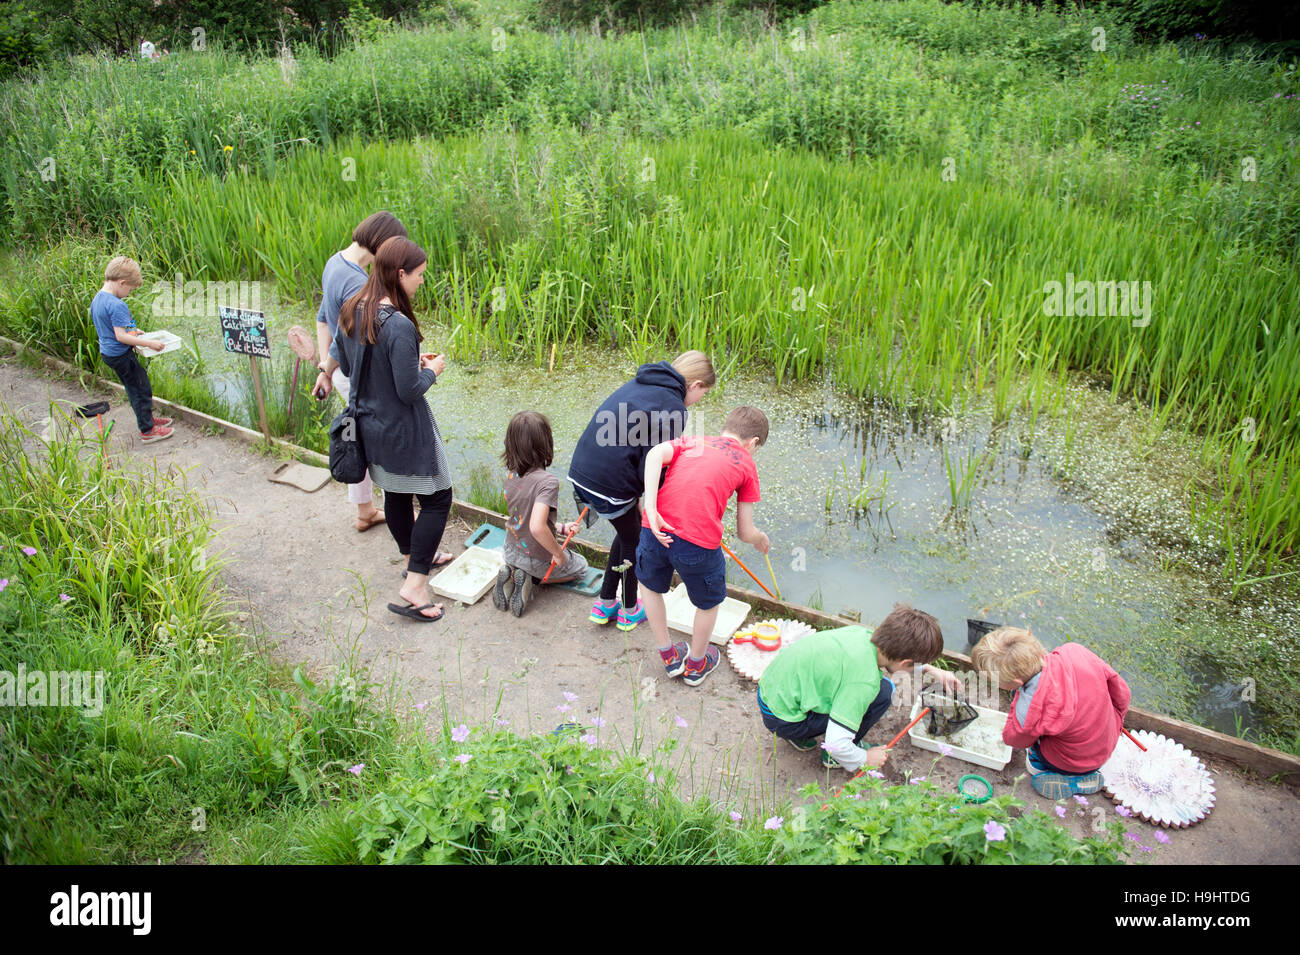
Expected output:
{"points": [[703, 571]]}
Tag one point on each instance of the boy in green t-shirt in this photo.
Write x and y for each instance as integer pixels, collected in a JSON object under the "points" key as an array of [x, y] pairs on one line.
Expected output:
{"points": [[831, 682]]}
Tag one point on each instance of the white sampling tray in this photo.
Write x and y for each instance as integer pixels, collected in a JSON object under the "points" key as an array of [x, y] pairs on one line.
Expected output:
{"points": [[681, 615], [469, 576], [989, 726]]}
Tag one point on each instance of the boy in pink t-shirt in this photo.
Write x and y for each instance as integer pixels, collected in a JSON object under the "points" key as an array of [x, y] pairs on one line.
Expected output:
{"points": [[702, 475]]}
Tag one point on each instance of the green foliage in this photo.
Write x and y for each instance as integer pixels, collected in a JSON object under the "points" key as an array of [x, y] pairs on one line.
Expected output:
{"points": [[486, 490], [23, 41], [873, 824]]}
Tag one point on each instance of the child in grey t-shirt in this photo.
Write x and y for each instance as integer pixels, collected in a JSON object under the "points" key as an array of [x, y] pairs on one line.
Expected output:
{"points": [[532, 495]]}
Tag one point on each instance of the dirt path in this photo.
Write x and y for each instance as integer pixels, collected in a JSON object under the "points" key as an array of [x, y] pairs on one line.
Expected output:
{"points": [[314, 588]]}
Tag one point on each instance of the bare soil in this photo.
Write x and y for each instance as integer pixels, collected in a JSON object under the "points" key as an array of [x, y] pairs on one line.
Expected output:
{"points": [[312, 589]]}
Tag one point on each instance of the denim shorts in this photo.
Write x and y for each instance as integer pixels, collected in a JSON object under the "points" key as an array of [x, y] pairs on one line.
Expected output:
{"points": [[703, 571]]}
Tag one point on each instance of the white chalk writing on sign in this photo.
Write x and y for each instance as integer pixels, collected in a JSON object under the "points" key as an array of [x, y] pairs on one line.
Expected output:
{"points": [[244, 331]]}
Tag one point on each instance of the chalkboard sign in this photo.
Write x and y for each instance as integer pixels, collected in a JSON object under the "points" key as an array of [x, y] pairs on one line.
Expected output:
{"points": [[244, 331]]}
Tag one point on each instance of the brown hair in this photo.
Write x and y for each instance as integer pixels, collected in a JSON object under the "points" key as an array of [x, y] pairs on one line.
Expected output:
{"points": [[123, 269], [1010, 652], [695, 366], [747, 422], [377, 228], [397, 254], [909, 634], [529, 444]]}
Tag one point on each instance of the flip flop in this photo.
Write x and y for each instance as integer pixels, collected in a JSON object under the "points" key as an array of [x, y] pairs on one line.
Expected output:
{"points": [[412, 611], [441, 559], [363, 526]]}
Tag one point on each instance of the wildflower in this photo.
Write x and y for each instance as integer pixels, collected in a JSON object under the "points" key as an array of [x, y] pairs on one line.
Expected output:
{"points": [[735, 816], [588, 738], [463, 758], [1161, 838], [945, 749], [774, 822], [952, 809], [356, 770], [563, 708], [1144, 848], [994, 832], [1132, 837], [460, 733], [4, 582], [571, 697], [227, 149], [64, 597], [1081, 800], [419, 707], [502, 721], [1123, 811], [875, 774], [1060, 812], [916, 779], [597, 722], [681, 723], [650, 776], [29, 551]]}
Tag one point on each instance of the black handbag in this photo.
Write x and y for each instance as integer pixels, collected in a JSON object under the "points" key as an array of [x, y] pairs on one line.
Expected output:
{"points": [[347, 454]]}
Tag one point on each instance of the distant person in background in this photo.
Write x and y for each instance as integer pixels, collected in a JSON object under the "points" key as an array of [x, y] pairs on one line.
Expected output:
{"points": [[149, 52], [396, 425], [118, 337], [608, 465]]}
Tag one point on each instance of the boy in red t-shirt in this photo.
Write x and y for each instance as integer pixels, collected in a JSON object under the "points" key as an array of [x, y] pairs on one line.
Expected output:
{"points": [[702, 475]]}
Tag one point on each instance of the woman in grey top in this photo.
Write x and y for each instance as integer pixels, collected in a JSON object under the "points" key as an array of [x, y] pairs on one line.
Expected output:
{"points": [[397, 429]]}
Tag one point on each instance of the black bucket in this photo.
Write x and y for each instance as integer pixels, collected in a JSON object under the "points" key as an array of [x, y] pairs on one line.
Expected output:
{"points": [[975, 630]]}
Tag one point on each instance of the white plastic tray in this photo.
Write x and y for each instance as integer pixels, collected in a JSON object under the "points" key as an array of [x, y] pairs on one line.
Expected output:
{"points": [[681, 615], [994, 718], [469, 576]]}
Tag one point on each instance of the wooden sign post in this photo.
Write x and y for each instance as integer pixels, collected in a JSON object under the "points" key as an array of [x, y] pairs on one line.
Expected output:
{"points": [[243, 331]]}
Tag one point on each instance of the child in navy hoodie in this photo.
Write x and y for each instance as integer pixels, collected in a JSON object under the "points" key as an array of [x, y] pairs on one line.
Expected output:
{"points": [[608, 466]]}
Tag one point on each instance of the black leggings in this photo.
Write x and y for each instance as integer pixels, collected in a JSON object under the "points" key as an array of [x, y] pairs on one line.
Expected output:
{"points": [[628, 528], [417, 538]]}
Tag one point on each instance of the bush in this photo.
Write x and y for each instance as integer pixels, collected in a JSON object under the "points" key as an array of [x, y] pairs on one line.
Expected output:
{"points": [[23, 42]]}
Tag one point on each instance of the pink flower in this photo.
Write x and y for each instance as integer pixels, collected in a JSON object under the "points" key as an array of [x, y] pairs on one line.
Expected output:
{"points": [[1161, 838], [994, 832], [29, 551], [650, 776], [419, 707], [64, 598], [916, 779], [589, 739], [681, 723], [571, 697], [502, 721], [597, 722], [463, 758], [356, 770], [735, 816], [945, 749], [1124, 811], [4, 582], [460, 733], [1130, 836], [563, 708], [774, 822], [875, 774], [1060, 811], [1081, 800]]}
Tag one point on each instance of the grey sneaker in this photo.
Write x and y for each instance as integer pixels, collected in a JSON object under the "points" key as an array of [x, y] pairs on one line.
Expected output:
{"points": [[505, 585], [523, 591], [803, 745]]}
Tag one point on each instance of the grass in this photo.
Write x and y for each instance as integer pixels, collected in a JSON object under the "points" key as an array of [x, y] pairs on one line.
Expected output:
{"points": [[486, 489]]}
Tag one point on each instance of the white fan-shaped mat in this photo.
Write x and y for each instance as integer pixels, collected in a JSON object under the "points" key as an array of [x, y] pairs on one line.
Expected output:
{"points": [[1166, 786], [749, 661]]}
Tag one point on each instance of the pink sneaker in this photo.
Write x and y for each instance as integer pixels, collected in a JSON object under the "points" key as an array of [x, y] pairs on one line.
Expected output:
{"points": [[156, 434]]}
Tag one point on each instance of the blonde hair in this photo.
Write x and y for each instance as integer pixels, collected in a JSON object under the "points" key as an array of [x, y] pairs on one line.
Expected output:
{"points": [[1012, 653], [123, 269], [695, 366]]}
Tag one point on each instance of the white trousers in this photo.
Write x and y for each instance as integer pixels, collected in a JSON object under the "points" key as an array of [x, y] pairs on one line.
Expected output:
{"points": [[364, 492]]}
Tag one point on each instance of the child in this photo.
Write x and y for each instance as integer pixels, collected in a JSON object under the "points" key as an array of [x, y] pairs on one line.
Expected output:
{"points": [[702, 475], [1068, 708], [832, 682], [532, 494], [118, 336]]}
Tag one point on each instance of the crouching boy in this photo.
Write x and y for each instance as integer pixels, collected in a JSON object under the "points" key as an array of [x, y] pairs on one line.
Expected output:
{"points": [[837, 683], [1067, 712]]}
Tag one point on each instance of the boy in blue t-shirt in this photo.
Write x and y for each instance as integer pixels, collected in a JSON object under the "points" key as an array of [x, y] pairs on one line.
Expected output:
{"points": [[118, 337]]}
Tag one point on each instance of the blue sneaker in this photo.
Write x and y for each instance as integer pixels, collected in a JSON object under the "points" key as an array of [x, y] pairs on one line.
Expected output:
{"points": [[696, 672], [602, 614], [627, 620], [677, 663], [1060, 786]]}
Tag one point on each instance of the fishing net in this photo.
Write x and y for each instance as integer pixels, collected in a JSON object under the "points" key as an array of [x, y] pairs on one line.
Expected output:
{"points": [[947, 713]]}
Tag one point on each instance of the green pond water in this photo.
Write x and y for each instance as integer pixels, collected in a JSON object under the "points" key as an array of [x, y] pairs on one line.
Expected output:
{"points": [[1105, 556]]}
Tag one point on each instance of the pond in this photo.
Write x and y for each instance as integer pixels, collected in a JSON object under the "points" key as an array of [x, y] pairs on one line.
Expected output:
{"points": [[1070, 526]]}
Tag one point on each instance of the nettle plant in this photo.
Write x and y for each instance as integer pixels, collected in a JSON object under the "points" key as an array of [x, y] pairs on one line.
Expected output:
{"points": [[873, 824]]}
